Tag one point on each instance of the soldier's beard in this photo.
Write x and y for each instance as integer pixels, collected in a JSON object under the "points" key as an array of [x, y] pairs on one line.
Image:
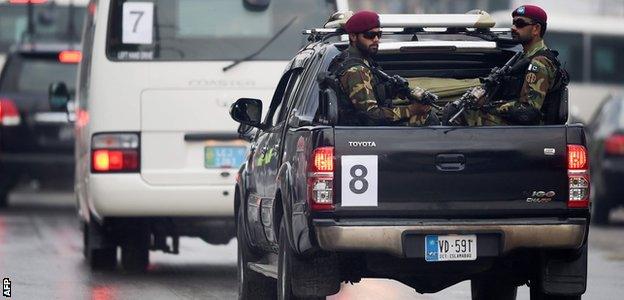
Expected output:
{"points": [[524, 40], [366, 50]]}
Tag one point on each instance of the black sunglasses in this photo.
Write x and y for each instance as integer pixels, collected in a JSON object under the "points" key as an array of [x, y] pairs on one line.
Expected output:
{"points": [[371, 35], [521, 23]]}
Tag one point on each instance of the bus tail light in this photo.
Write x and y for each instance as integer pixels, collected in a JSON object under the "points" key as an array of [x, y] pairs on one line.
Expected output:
{"points": [[321, 179], [70, 56], [9, 115], [578, 177], [115, 153]]}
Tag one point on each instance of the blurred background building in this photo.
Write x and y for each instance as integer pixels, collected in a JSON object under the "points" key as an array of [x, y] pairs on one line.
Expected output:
{"points": [[585, 7]]}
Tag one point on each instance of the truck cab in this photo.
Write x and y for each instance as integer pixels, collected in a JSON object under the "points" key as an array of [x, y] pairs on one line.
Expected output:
{"points": [[319, 202]]}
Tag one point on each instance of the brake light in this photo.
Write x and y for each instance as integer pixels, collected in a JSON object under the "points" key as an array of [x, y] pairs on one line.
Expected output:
{"points": [[9, 115], [578, 177], [614, 145], [115, 152], [70, 56], [321, 179], [27, 1]]}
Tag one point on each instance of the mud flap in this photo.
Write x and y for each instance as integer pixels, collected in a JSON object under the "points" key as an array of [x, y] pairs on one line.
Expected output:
{"points": [[314, 276], [565, 276]]}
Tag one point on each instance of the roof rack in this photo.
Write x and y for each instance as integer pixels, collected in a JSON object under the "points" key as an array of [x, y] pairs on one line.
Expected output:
{"points": [[473, 19], [476, 23]]}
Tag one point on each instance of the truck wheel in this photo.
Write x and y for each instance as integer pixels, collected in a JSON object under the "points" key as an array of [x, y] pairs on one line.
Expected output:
{"points": [[600, 211], [251, 285], [135, 251], [98, 257], [285, 268], [537, 294], [486, 289]]}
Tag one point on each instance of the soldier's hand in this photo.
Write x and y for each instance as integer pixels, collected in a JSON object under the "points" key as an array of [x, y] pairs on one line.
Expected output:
{"points": [[418, 108], [477, 95]]}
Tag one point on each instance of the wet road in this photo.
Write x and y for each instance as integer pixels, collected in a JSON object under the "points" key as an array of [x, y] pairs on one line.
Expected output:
{"points": [[41, 253]]}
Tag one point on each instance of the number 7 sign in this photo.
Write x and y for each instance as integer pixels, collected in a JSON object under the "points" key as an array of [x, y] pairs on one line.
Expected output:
{"points": [[137, 23], [359, 180]]}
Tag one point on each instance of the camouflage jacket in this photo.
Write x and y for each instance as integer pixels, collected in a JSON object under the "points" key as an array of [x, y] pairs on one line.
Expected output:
{"points": [[359, 86], [538, 80]]}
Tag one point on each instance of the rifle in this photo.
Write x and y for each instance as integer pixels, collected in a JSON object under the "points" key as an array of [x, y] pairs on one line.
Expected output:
{"points": [[491, 84], [401, 86]]}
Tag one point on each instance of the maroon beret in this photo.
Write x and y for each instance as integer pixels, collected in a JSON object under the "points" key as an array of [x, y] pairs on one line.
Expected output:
{"points": [[362, 21], [532, 12]]}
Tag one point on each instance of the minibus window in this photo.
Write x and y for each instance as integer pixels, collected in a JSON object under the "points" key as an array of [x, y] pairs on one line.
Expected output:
{"points": [[607, 60], [570, 48]]}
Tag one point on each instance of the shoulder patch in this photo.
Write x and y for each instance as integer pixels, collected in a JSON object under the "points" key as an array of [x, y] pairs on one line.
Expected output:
{"points": [[531, 78]]}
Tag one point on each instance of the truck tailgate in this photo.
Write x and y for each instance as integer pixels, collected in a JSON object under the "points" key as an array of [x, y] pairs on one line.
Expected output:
{"points": [[442, 171]]}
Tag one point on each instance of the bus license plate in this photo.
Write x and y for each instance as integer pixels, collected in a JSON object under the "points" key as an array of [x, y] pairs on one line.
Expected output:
{"points": [[450, 247], [224, 156]]}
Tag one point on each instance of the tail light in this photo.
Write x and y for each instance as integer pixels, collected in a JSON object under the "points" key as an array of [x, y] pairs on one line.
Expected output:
{"points": [[578, 177], [27, 1], [9, 115], [321, 179], [115, 153], [614, 145], [70, 56]]}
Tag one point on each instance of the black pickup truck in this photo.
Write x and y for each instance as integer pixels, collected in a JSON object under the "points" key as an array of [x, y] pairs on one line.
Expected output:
{"points": [[319, 203]]}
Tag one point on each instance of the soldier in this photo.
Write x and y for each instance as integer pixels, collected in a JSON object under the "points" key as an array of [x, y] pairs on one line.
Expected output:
{"points": [[534, 90], [364, 89]]}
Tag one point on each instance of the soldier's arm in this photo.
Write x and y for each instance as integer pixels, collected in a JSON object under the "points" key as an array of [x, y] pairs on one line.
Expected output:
{"points": [[538, 78], [357, 82]]}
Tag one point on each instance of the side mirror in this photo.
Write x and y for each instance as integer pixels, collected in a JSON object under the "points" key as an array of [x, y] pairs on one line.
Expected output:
{"points": [[58, 96], [247, 111], [256, 5], [245, 132]]}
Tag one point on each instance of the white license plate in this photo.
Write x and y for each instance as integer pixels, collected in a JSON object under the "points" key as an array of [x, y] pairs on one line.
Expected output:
{"points": [[450, 247]]}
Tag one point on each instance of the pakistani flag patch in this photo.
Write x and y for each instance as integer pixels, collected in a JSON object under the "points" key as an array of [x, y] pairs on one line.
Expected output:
{"points": [[533, 68]]}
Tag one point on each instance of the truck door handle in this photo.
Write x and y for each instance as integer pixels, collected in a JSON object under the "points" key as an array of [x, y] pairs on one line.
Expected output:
{"points": [[450, 162]]}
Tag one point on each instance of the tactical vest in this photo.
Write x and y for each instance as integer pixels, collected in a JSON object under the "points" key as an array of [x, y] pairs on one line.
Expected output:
{"points": [[347, 112], [550, 108]]}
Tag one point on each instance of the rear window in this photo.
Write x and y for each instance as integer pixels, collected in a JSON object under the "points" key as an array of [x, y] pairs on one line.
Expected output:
{"points": [[210, 30], [34, 75], [51, 23]]}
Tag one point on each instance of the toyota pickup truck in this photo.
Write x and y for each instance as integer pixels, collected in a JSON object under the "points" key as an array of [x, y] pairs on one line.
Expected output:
{"points": [[319, 203]]}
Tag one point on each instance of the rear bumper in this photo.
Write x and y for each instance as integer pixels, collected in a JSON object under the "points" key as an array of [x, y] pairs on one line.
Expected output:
{"points": [[128, 195], [389, 239]]}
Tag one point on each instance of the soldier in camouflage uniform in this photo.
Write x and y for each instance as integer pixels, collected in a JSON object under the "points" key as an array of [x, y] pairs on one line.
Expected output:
{"points": [[360, 85], [527, 91]]}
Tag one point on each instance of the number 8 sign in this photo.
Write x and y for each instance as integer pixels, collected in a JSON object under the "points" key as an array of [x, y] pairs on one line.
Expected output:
{"points": [[359, 180]]}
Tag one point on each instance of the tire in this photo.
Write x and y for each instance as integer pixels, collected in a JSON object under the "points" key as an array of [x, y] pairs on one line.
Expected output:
{"points": [[285, 269], [97, 257], [537, 294], [135, 251], [600, 211], [491, 289], [251, 285]]}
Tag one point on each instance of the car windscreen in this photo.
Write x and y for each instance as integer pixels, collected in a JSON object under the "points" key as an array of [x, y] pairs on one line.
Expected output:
{"points": [[35, 74], [210, 30], [51, 22]]}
